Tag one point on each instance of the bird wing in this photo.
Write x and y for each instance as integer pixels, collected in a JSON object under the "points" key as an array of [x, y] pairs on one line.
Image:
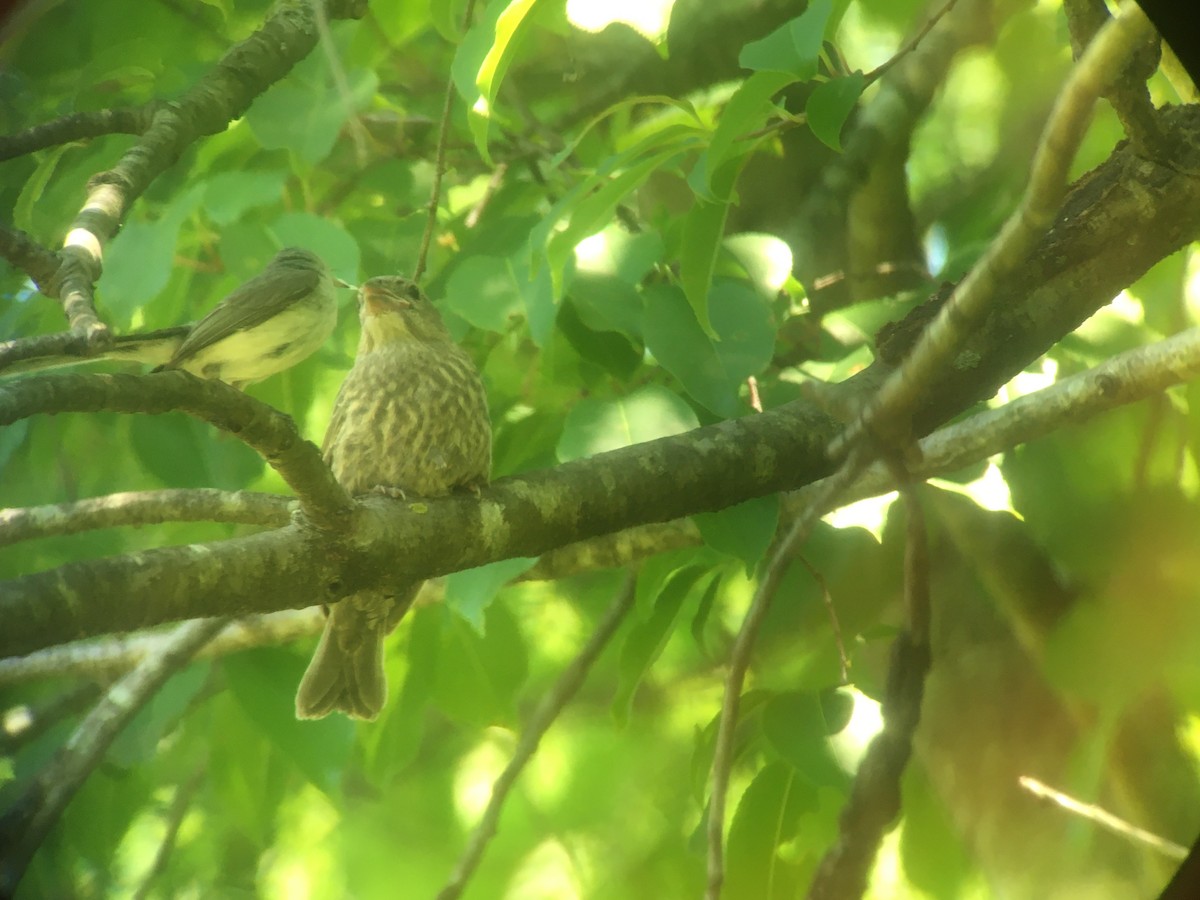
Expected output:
{"points": [[251, 304]]}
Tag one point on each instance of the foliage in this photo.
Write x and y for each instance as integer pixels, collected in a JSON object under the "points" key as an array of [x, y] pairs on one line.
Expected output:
{"points": [[616, 251]]}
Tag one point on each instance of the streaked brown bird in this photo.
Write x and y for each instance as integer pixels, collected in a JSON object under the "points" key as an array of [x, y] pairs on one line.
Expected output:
{"points": [[267, 324], [411, 418]]}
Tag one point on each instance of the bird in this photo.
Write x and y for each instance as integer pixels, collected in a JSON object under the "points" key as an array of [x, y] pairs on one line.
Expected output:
{"points": [[410, 419], [267, 324]]}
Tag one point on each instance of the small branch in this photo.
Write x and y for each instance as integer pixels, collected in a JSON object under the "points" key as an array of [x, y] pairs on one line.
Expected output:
{"points": [[143, 508], [267, 431], [1104, 819], [25, 824], [886, 414], [878, 72], [36, 261], [739, 663], [439, 168], [23, 723], [552, 704], [874, 802], [1126, 378], [78, 126], [182, 802], [104, 659]]}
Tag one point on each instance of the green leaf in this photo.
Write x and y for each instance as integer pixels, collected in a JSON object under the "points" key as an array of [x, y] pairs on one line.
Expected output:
{"points": [[743, 531], [607, 303], [139, 741], [830, 104], [484, 57], [228, 195], [597, 426], [711, 371], [745, 113], [793, 47], [766, 260], [766, 819], [404, 719], [305, 113], [797, 726], [264, 682], [470, 592], [702, 231], [481, 672], [139, 261], [324, 237], [485, 291], [587, 214], [35, 185], [647, 638], [590, 213]]}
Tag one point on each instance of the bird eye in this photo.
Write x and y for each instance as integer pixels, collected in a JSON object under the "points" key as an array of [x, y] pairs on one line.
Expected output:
{"points": [[412, 292]]}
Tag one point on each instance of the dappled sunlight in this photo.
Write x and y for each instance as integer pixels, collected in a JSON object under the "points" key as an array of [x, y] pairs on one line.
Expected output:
{"points": [[477, 772], [988, 491], [305, 862], [647, 17], [551, 871], [870, 514]]}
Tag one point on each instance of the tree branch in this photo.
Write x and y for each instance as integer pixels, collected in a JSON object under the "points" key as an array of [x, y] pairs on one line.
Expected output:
{"points": [[79, 126], [267, 431], [548, 710], [26, 823], [108, 658], [143, 508], [887, 416], [20, 249], [707, 469]]}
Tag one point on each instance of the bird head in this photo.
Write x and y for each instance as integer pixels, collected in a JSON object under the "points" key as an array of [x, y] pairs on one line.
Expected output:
{"points": [[391, 308]]}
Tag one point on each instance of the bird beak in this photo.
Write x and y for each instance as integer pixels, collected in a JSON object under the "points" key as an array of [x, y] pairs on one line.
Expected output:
{"points": [[344, 284], [379, 301]]}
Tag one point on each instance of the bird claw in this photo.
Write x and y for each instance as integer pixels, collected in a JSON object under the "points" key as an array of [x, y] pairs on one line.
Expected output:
{"points": [[388, 491]]}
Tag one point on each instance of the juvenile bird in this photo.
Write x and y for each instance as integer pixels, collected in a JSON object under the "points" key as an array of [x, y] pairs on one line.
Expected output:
{"points": [[268, 324], [411, 419]]}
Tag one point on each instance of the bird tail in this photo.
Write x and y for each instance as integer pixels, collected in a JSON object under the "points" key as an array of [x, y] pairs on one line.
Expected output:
{"points": [[346, 671], [152, 348]]}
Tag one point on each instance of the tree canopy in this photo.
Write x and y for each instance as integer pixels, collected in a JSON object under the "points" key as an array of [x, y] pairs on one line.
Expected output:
{"points": [[842, 532]]}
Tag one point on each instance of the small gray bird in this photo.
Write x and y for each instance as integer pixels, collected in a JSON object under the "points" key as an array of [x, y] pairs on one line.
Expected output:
{"points": [[410, 419], [268, 324]]}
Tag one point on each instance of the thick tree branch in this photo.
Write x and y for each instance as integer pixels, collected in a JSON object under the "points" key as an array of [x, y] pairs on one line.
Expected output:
{"points": [[20, 249], [77, 127], [706, 469], [269, 432]]}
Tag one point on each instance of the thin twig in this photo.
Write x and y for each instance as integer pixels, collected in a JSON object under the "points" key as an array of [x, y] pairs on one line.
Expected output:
{"points": [[439, 167], [834, 624], [358, 131], [539, 723], [1104, 818], [180, 805], [107, 658], [878, 72], [26, 823], [874, 802], [739, 662]]}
